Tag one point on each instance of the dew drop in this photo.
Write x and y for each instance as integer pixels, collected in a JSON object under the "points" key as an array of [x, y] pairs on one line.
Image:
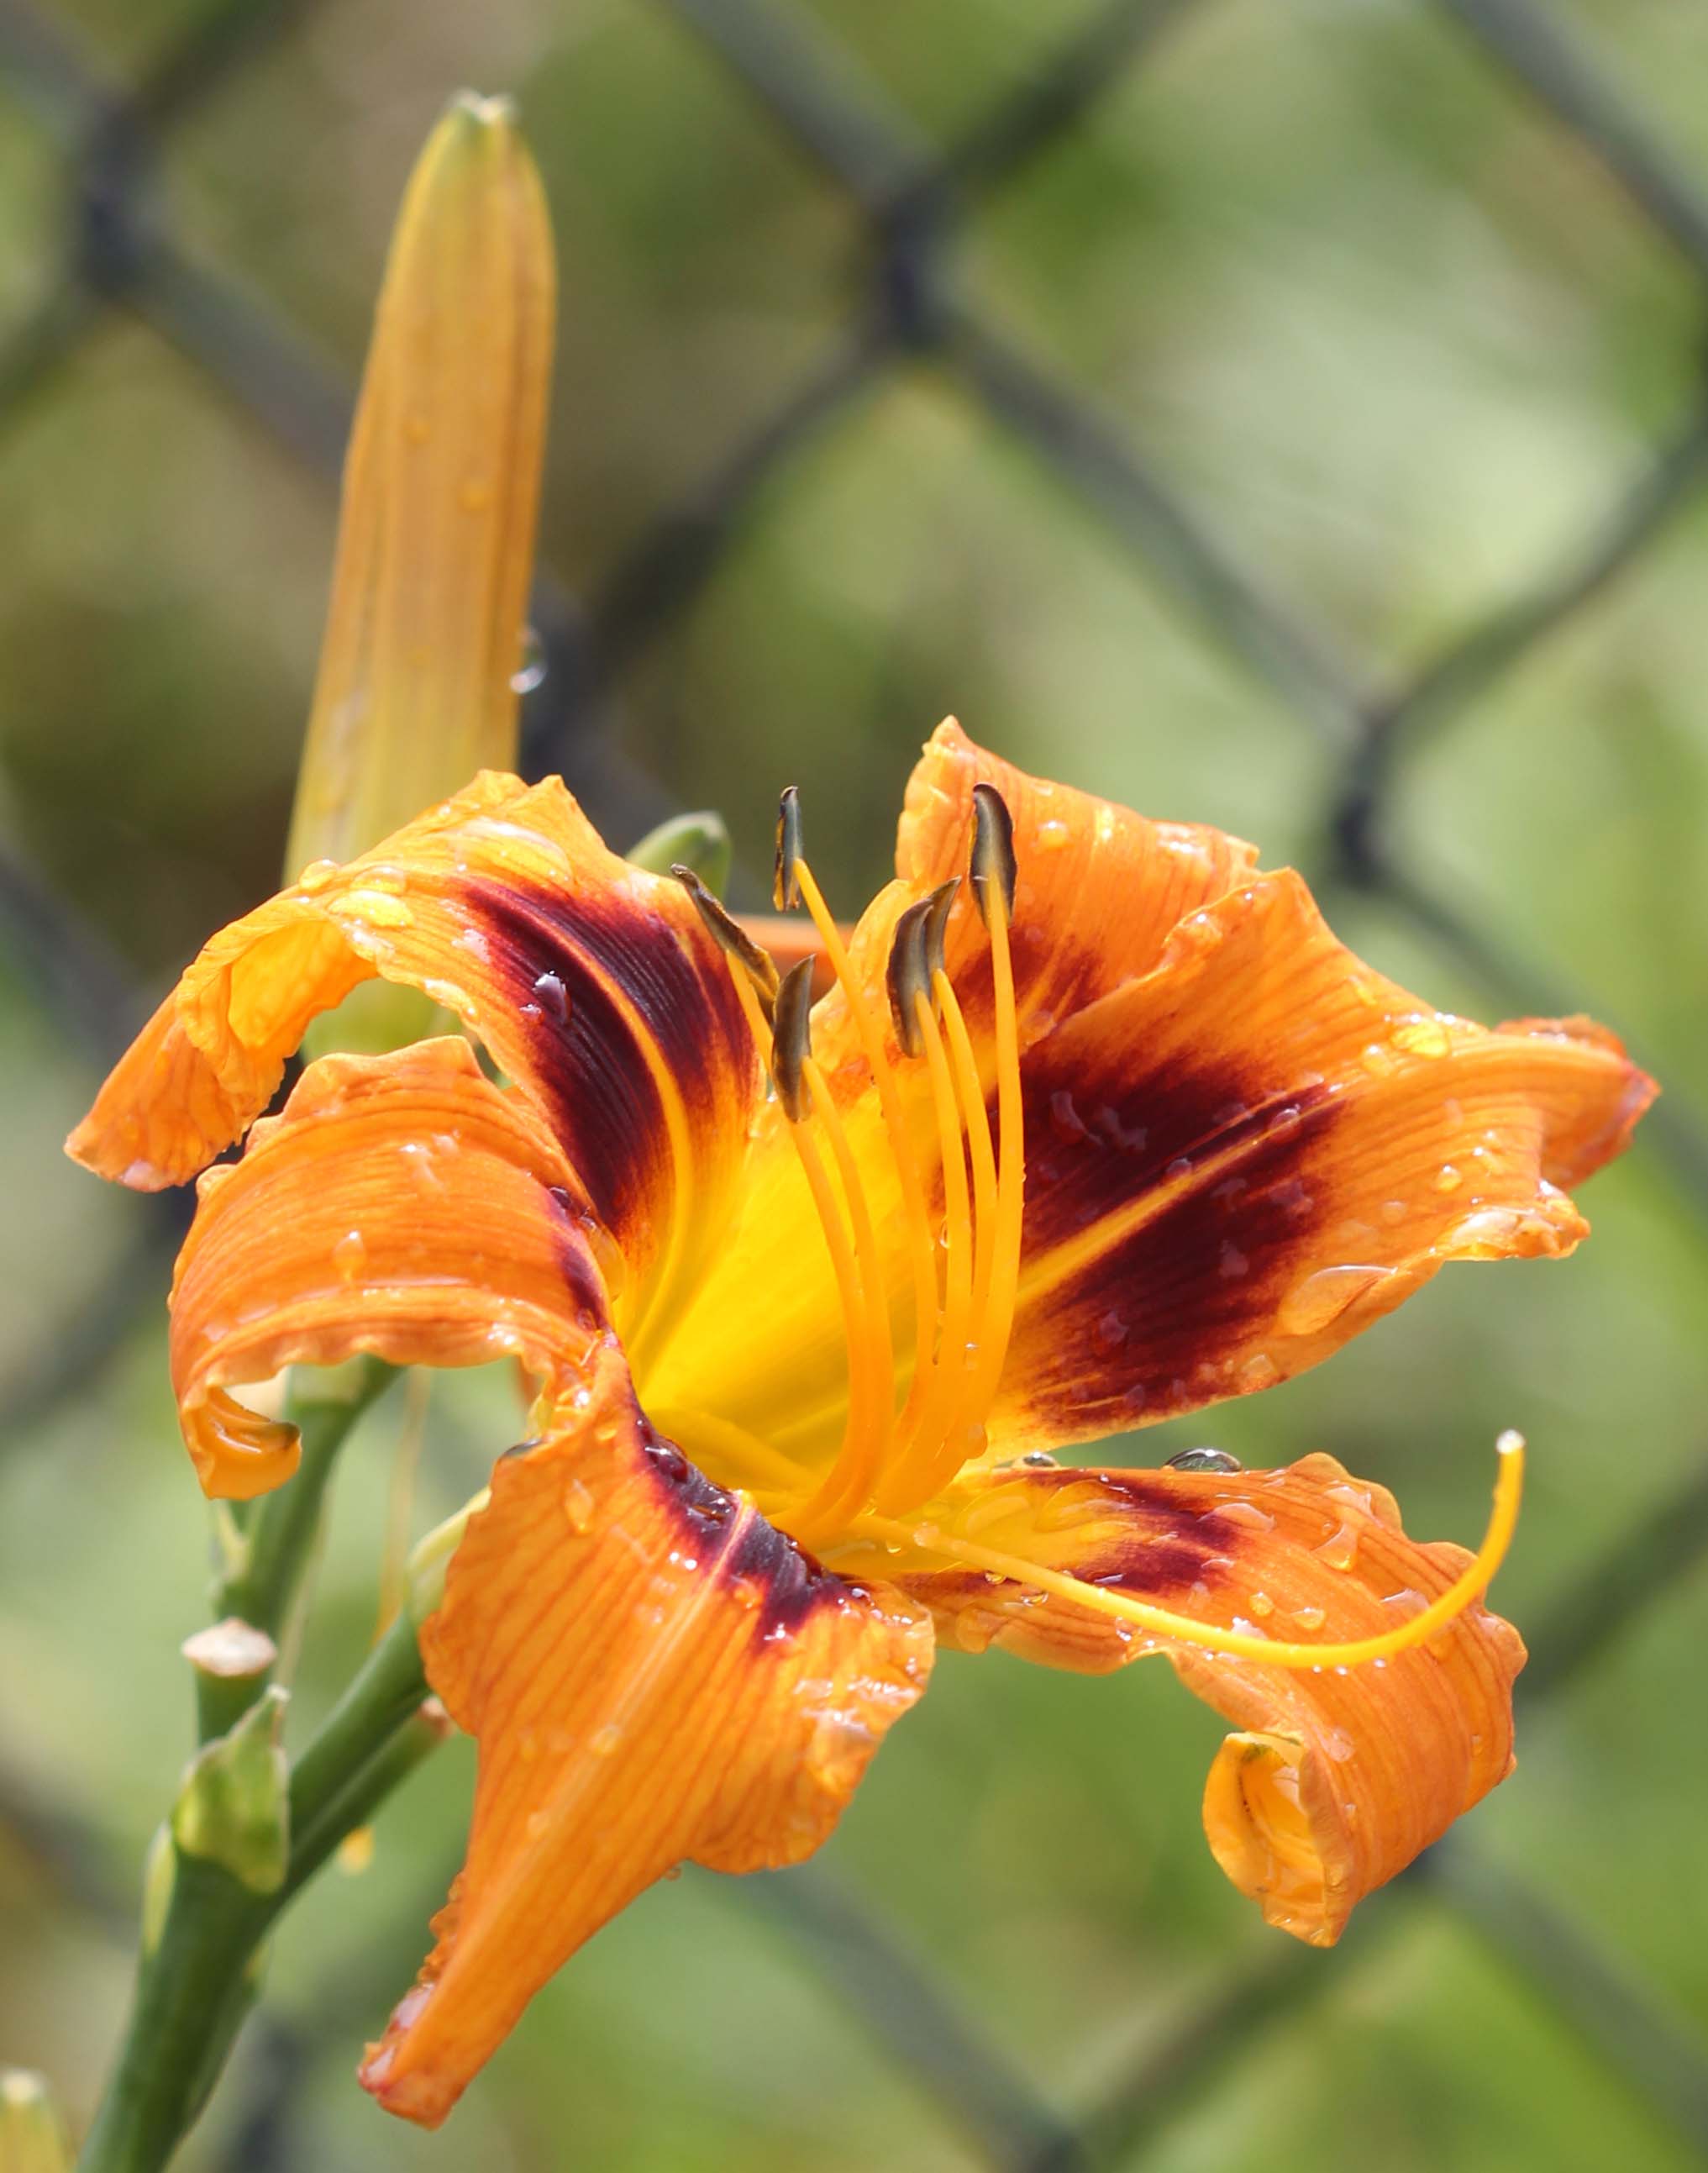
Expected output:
{"points": [[375, 908], [349, 1254], [578, 1504], [1203, 1459], [316, 876], [603, 1741], [1233, 1263], [1425, 1037], [554, 998], [1247, 1513], [1309, 1618], [530, 672], [1262, 1605], [1109, 1334], [1447, 1178], [1050, 837], [1340, 1549], [1318, 1299]]}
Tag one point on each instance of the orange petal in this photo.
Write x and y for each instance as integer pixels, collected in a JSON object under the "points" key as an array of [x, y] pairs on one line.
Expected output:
{"points": [[436, 537], [1240, 1159], [1100, 888], [653, 1674], [1335, 1780], [593, 985], [400, 1204]]}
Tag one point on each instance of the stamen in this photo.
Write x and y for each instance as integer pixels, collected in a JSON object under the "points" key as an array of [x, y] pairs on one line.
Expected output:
{"points": [[732, 938], [924, 1444], [1466, 1589], [1010, 1176], [921, 1251], [785, 884], [848, 1485], [993, 868], [908, 976], [791, 1038], [859, 1277], [969, 1091]]}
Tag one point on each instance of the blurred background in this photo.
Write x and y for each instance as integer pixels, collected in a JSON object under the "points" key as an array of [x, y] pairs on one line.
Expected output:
{"points": [[1287, 416]]}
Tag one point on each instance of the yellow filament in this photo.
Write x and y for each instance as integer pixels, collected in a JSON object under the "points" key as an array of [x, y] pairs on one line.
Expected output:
{"points": [[918, 1445], [970, 1093], [848, 1485], [998, 1324], [1238, 1644], [922, 1254]]}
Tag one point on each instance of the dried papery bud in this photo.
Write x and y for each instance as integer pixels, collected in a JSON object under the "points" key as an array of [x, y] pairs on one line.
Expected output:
{"points": [[233, 1651]]}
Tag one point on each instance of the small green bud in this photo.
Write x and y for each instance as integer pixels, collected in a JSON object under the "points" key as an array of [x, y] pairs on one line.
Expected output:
{"points": [[699, 841], [234, 1806], [424, 1571], [32, 2135]]}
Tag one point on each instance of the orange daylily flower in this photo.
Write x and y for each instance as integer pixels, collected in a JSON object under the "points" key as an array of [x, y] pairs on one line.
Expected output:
{"points": [[1112, 1130]]}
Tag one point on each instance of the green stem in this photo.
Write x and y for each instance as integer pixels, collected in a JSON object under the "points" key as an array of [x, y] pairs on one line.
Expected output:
{"points": [[192, 1997], [197, 1981], [260, 1585]]}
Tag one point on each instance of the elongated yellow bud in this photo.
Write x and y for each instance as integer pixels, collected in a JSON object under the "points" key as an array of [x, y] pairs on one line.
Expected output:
{"points": [[436, 551]]}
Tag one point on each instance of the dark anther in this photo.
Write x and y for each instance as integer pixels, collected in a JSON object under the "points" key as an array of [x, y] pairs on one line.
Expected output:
{"points": [[909, 973], [785, 888], [993, 850], [732, 937], [1204, 1460], [937, 923], [791, 1038]]}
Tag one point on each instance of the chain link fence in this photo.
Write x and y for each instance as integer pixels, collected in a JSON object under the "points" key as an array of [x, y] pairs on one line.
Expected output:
{"points": [[119, 253]]}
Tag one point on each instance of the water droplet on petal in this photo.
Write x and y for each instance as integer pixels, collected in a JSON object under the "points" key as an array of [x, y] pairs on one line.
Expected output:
{"points": [[1424, 1037], [578, 1504], [1247, 1513], [530, 672], [1309, 1618], [316, 876], [553, 997], [1204, 1459], [1340, 1549], [1050, 837], [603, 1741], [1321, 1298], [349, 1254], [1447, 1178]]}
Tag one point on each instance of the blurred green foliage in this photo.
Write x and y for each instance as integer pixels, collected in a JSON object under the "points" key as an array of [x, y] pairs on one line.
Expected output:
{"points": [[1401, 342]]}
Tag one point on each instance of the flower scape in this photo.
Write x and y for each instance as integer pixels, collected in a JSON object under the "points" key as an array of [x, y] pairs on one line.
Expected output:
{"points": [[1093, 1124]]}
